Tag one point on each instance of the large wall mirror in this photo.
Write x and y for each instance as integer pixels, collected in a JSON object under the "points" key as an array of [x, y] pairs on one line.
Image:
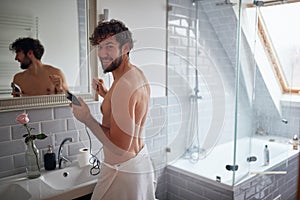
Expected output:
{"points": [[63, 27]]}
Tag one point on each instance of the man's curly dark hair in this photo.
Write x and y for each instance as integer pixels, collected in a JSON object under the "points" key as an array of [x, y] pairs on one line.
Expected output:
{"points": [[112, 28], [26, 44]]}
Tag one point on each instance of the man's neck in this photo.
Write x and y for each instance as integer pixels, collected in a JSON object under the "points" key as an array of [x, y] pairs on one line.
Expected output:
{"points": [[124, 67], [35, 67]]}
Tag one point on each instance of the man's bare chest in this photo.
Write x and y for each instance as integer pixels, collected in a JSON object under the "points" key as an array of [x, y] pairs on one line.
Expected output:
{"points": [[37, 86]]}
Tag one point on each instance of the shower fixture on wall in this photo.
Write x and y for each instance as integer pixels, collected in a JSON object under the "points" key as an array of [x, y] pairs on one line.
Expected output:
{"points": [[268, 3], [226, 2], [104, 16]]}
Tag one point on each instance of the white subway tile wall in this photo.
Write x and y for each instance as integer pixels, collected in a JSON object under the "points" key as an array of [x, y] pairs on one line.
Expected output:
{"points": [[58, 123]]}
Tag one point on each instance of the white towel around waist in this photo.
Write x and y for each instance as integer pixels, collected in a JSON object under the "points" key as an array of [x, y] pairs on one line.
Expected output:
{"points": [[130, 180]]}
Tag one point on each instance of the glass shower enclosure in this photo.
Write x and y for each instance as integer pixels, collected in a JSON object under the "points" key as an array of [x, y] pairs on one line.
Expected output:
{"points": [[228, 118]]}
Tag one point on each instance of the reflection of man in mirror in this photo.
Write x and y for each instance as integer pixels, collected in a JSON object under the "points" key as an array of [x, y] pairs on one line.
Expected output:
{"points": [[127, 171], [37, 78]]}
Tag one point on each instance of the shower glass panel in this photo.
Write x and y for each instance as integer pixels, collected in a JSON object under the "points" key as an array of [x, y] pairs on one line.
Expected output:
{"points": [[271, 99], [243, 98], [270, 96], [202, 53]]}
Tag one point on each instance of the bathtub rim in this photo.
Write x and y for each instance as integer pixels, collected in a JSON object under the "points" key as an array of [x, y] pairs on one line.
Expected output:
{"points": [[199, 177], [222, 184], [291, 154]]}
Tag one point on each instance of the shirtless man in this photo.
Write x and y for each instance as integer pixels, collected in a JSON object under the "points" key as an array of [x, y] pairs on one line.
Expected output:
{"points": [[37, 78], [126, 172]]}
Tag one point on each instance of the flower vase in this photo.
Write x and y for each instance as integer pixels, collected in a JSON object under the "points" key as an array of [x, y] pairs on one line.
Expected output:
{"points": [[32, 161]]}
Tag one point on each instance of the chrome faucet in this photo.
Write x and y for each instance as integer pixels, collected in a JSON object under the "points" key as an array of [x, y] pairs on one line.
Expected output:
{"points": [[61, 159]]}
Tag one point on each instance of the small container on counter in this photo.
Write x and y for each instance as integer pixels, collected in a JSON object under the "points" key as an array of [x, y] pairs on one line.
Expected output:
{"points": [[49, 159], [266, 156], [295, 142]]}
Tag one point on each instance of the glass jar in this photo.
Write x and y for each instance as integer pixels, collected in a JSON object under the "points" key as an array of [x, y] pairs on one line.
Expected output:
{"points": [[32, 162]]}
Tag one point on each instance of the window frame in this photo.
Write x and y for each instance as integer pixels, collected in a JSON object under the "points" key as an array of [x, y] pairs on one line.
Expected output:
{"points": [[271, 52]]}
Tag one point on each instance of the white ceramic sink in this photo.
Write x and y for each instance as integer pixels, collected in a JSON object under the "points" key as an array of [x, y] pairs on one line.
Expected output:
{"points": [[61, 179], [13, 192]]}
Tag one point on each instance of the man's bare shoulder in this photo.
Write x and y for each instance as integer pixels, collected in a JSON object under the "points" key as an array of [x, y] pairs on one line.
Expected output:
{"points": [[132, 82], [19, 76], [52, 69]]}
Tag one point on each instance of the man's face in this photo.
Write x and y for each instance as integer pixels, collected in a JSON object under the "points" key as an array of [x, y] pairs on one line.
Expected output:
{"points": [[24, 60], [109, 54]]}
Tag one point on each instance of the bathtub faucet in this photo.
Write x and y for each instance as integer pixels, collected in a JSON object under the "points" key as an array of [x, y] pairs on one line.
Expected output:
{"points": [[261, 131], [195, 153]]}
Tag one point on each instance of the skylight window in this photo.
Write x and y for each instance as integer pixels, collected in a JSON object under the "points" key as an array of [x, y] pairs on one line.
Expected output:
{"points": [[281, 24]]}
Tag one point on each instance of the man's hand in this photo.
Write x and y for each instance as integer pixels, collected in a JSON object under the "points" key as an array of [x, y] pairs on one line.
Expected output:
{"points": [[57, 82], [82, 113], [98, 85]]}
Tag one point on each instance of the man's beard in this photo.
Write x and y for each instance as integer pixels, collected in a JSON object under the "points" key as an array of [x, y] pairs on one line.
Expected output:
{"points": [[25, 63], [114, 65]]}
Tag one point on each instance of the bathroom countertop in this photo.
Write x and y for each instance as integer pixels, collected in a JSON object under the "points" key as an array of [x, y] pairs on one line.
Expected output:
{"points": [[73, 193], [20, 187]]}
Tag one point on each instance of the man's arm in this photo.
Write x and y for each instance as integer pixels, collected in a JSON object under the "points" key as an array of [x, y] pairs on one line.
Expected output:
{"points": [[82, 113], [59, 81]]}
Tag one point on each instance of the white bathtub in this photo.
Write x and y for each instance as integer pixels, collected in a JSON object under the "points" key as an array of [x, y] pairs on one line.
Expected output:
{"points": [[214, 163]]}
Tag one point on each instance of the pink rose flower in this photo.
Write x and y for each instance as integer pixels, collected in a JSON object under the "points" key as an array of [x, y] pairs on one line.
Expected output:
{"points": [[22, 118]]}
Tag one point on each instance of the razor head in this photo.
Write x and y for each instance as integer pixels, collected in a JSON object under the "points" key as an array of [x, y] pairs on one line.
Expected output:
{"points": [[15, 87], [72, 98]]}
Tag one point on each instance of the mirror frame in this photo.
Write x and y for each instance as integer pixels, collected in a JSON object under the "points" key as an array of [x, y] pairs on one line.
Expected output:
{"points": [[37, 102], [47, 101]]}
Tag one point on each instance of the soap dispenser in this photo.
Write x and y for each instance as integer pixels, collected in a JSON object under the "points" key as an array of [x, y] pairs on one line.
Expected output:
{"points": [[295, 142], [49, 159]]}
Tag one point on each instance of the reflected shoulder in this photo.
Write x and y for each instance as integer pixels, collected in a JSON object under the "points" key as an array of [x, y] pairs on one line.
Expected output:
{"points": [[19, 76], [52, 69]]}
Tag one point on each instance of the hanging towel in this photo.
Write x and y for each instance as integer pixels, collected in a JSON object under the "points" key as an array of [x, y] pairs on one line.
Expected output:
{"points": [[130, 180]]}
